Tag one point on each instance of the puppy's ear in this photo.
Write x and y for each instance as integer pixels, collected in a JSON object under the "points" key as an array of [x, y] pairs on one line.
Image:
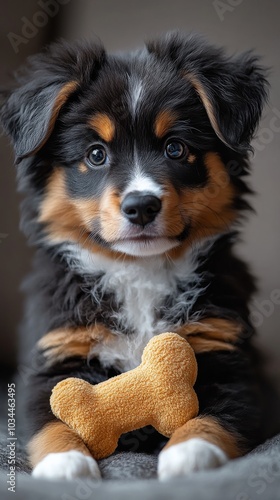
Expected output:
{"points": [[29, 113], [233, 90]]}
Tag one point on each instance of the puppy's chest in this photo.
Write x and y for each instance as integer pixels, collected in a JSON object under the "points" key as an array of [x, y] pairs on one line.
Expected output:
{"points": [[140, 299], [148, 302]]}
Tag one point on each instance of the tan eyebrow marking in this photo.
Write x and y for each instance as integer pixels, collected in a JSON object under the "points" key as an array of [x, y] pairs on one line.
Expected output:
{"points": [[191, 158], [104, 126], [164, 121], [82, 168]]}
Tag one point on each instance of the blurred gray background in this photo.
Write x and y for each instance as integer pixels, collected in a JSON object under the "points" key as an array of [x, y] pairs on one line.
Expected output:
{"points": [[124, 24]]}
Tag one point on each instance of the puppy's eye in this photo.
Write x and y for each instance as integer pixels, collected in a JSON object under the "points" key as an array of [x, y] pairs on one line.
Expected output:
{"points": [[96, 156], [176, 150]]}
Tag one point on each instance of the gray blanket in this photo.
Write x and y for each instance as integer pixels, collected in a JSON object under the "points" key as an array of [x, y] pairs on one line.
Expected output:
{"points": [[133, 476]]}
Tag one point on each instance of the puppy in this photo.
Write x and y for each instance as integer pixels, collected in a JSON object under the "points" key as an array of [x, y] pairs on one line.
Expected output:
{"points": [[133, 168]]}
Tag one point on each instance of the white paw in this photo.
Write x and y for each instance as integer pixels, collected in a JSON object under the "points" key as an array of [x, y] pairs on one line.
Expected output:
{"points": [[66, 465], [193, 455]]}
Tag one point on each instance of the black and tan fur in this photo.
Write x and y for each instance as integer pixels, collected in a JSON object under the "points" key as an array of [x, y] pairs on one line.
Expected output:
{"points": [[74, 96]]}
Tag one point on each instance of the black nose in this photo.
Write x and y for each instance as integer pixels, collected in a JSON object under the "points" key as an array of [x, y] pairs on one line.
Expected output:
{"points": [[140, 209]]}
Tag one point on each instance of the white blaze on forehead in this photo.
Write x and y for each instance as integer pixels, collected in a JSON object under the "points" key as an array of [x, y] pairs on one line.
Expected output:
{"points": [[136, 90], [142, 182]]}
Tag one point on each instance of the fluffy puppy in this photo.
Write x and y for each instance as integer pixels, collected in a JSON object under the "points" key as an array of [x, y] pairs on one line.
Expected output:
{"points": [[133, 168]]}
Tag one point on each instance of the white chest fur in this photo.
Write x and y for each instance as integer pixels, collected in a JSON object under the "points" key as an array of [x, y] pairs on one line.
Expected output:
{"points": [[140, 289]]}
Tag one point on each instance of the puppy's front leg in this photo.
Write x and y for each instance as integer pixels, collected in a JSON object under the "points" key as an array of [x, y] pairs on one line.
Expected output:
{"points": [[229, 421], [201, 444], [56, 452]]}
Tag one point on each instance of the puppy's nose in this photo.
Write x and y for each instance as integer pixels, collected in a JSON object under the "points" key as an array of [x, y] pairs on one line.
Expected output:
{"points": [[140, 209]]}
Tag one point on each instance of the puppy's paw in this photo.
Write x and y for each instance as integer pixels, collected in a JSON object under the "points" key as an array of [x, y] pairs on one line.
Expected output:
{"points": [[193, 455], [66, 465]]}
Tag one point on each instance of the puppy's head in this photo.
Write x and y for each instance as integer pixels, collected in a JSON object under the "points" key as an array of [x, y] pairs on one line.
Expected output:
{"points": [[139, 154]]}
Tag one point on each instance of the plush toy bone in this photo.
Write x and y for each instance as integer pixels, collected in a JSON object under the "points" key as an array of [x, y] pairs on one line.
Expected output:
{"points": [[159, 392]]}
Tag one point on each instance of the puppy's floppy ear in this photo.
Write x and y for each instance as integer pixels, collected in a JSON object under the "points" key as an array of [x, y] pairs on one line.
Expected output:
{"points": [[233, 90], [29, 113]]}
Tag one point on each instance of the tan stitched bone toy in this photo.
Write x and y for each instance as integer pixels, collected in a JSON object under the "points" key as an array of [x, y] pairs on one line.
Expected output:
{"points": [[159, 392]]}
